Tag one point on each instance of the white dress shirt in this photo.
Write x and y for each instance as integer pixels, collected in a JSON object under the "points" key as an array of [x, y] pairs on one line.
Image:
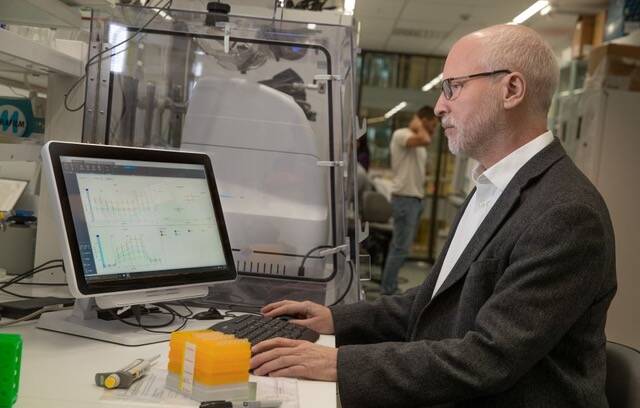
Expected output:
{"points": [[490, 183]]}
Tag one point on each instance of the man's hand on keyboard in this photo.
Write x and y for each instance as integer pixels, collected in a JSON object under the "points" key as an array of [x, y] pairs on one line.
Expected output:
{"points": [[308, 314], [294, 358]]}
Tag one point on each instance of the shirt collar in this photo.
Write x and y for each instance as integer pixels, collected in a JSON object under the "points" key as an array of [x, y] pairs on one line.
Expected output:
{"points": [[501, 173]]}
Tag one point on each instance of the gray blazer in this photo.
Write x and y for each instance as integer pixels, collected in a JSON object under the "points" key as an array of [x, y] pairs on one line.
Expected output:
{"points": [[519, 321]]}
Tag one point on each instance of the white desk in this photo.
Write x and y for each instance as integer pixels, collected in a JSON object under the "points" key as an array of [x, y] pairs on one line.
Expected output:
{"points": [[58, 369]]}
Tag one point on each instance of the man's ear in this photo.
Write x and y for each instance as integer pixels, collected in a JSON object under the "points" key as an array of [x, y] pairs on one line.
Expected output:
{"points": [[514, 90]]}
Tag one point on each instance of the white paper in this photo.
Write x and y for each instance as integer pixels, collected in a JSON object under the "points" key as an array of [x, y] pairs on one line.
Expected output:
{"points": [[278, 389], [188, 368], [149, 389]]}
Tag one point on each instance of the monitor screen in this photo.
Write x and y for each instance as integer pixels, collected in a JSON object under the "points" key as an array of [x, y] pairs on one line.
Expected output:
{"points": [[138, 224]]}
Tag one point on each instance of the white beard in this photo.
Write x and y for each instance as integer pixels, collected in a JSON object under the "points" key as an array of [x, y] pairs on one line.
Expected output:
{"points": [[471, 138]]}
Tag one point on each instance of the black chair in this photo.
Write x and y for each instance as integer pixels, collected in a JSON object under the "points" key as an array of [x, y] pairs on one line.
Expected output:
{"points": [[623, 376], [376, 210]]}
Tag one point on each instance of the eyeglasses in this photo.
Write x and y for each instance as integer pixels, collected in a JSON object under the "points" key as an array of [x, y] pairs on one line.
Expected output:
{"points": [[451, 86]]}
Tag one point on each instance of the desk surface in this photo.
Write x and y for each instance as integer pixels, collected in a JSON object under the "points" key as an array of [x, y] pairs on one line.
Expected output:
{"points": [[58, 369]]}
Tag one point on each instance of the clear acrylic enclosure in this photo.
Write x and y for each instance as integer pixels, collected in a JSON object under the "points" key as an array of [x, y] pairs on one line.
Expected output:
{"points": [[272, 103]]}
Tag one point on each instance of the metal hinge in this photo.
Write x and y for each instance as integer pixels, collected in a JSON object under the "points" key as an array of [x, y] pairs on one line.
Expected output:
{"points": [[334, 250], [328, 163], [328, 77], [362, 127]]}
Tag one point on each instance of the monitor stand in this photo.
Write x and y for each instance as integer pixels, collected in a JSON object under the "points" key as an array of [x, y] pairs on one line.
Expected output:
{"points": [[83, 321]]}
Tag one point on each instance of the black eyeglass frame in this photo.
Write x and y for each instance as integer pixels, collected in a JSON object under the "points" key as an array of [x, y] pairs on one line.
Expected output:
{"points": [[447, 91]]}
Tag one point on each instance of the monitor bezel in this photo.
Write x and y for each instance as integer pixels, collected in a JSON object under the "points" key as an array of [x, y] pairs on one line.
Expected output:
{"points": [[183, 277]]}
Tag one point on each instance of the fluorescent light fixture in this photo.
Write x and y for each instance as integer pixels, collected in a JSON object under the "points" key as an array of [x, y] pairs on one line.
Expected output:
{"points": [[395, 109], [349, 7], [118, 34], [375, 119], [531, 11], [429, 85], [311, 26], [165, 15], [545, 10], [197, 69]]}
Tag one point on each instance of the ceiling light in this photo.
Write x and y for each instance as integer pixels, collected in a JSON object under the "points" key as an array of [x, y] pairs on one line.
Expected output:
{"points": [[528, 13], [118, 35], [311, 26], [429, 85], [165, 15], [395, 109], [376, 119], [349, 7]]}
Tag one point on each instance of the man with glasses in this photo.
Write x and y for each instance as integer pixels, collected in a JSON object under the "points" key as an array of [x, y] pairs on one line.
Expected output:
{"points": [[514, 310], [409, 166]]}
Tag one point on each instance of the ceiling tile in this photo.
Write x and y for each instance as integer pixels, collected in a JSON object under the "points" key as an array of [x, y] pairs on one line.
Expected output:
{"points": [[420, 22], [377, 27], [412, 45], [425, 10], [378, 8]]}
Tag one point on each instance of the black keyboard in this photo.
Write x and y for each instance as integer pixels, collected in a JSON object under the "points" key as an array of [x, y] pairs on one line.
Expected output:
{"points": [[256, 328]]}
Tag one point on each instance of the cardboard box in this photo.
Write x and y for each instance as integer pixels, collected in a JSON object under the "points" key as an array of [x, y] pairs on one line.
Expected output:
{"points": [[582, 36], [599, 28], [614, 66]]}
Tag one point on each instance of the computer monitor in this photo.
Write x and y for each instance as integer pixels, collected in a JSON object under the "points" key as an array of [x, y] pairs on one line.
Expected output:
{"points": [[138, 226]]}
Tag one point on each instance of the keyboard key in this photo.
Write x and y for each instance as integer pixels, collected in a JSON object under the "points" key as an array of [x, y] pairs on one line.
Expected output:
{"points": [[257, 328]]}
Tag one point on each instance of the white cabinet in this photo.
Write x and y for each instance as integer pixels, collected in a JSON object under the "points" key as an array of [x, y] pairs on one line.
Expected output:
{"points": [[607, 152]]}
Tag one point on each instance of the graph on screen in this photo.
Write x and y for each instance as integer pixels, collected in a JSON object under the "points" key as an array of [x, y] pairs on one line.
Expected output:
{"points": [[139, 223]]}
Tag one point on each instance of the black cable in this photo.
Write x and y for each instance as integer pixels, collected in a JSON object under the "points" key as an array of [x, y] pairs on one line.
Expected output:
{"points": [[139, 320], [16, 280], [16, 294], [184, 323], [183, 304], [41, 268], [350, 262], [23, 276], [304, 259], [99, 55], [171, 311], [40, 284], [149, 328]]}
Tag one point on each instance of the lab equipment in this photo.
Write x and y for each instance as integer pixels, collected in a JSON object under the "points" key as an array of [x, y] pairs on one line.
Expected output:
{"points": [[10, 358], [19, 181], [206, 365], [138, 226], [124, 377], [256, 328], [273, 103]]}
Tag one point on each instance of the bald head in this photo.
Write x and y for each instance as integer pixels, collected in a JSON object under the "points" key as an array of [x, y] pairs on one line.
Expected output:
{"points": [[500, 83], [518, 49]]}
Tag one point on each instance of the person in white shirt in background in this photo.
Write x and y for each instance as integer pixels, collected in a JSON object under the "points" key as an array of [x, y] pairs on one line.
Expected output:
{"points": [[409, 164]]}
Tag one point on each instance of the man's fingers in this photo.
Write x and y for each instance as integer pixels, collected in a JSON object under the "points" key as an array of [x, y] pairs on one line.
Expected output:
{"points": [[273, 305], [295, 371], [293, 308], [278, 360], [274, 343]]}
